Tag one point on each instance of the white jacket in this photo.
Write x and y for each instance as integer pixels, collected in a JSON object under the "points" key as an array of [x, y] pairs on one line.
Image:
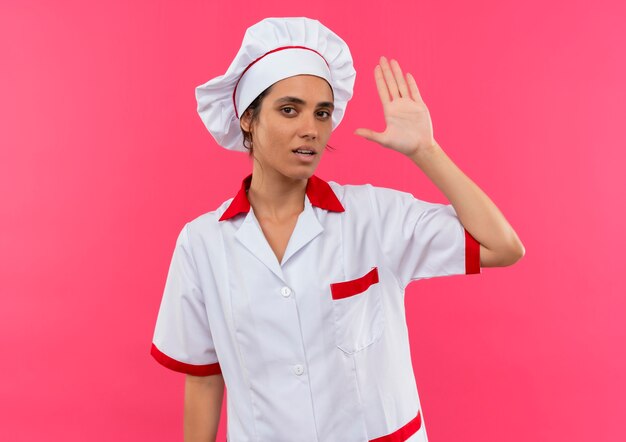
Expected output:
{"points": [[315, 348]]}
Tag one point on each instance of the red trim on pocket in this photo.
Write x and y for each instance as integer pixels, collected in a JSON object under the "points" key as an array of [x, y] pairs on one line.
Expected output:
{"points": [[345, 289], [472, 254], [402, 433], [173, 364]]}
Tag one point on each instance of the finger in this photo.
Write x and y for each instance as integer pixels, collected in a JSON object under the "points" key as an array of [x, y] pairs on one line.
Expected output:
{"points": [[399, 76], [415, 92], [381, 86], [368, 134], [389, 80]]}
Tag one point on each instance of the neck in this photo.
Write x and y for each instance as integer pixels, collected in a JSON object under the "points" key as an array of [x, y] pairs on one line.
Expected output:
{"points": [[275, 196]]}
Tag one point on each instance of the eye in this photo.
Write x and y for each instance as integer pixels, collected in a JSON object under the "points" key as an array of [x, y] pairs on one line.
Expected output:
{"points": [[288, 113], [325, 112]]}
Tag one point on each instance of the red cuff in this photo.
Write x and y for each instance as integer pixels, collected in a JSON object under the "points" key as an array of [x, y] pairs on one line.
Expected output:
{"points": [[472, 254], [173, 364]]}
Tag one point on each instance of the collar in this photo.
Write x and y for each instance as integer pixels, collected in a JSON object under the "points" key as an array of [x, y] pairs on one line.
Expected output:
{"points": [[319, 192]]}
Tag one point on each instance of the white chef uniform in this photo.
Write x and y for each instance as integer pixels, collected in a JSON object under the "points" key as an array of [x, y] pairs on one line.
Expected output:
{"points": [[315, 348]]}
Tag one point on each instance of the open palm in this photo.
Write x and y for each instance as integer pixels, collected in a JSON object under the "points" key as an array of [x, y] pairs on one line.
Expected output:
{"points": [[409, 127]]}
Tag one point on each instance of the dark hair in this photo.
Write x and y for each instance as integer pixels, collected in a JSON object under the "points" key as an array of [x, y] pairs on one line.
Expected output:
{"points": [[255, 110]]}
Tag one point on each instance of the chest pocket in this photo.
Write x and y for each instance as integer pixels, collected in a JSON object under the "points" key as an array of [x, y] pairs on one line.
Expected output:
{"points": [[358, 310]]}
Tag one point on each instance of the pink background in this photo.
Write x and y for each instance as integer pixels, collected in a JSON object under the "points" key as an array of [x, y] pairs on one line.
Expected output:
{"points": [[103, 158]]}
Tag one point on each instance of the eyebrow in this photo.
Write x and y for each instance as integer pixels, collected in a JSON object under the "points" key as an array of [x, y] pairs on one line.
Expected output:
{"points": [[297, 100]]}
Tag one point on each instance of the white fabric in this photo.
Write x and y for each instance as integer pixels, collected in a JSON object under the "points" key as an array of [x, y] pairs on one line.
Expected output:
{"points": [[298, 364], [215, 97], [277, 66]]}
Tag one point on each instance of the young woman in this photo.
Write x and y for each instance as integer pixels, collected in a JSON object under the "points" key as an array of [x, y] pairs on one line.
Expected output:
{"points": [[292, 292]]}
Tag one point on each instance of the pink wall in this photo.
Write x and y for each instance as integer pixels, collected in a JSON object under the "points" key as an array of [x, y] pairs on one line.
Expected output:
{"points": [[103, 158]]}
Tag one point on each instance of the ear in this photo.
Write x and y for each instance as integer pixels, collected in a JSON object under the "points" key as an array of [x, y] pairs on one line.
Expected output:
{"points": [[244, 121]]}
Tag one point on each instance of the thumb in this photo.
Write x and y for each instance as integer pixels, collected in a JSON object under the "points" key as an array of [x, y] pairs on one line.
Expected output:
{"points": [[368, 134]]}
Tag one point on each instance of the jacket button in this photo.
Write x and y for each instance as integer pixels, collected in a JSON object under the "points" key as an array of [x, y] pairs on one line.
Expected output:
{"points": [[285, 291], [298, 369]]}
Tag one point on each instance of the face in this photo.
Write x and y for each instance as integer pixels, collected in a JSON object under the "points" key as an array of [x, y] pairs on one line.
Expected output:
{"points": [[296, 114]]}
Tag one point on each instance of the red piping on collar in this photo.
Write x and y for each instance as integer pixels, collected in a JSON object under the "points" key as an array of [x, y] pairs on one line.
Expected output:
{"points": [[319, 192]]}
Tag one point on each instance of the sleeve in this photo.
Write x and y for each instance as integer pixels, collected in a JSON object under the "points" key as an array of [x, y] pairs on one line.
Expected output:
{"points": [[421, 239], [182, 338]]}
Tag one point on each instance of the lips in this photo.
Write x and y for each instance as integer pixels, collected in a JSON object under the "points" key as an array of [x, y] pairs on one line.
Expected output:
{"points": [[304, 150]]}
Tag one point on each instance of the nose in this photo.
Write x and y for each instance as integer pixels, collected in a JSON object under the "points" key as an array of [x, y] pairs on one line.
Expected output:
{"points": [[309, 127]]}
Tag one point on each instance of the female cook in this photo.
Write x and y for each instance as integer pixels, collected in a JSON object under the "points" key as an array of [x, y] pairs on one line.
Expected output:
{"points": [[292, 292]]}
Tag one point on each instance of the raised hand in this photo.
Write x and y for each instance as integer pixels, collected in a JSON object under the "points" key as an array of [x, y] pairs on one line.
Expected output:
{"points": [[409, 127]]}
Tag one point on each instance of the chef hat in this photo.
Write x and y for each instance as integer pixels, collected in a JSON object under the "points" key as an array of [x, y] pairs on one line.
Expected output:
{"points": [[274, 49]]}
